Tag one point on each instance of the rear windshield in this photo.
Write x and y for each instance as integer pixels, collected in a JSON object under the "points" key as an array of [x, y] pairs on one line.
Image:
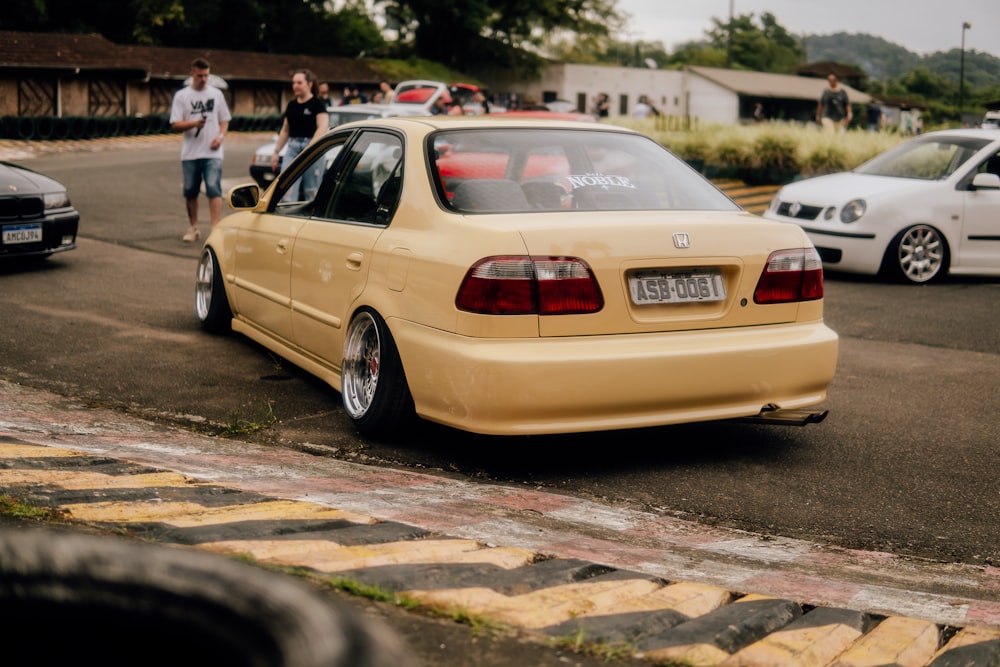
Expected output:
{"points": [[515, 170]]}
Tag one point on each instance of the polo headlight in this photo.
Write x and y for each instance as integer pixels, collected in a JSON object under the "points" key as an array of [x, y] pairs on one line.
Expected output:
{"points": [[853, 210]]}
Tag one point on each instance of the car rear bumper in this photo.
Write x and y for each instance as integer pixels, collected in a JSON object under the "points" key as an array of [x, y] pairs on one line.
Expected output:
{"points": [[564, 385]]}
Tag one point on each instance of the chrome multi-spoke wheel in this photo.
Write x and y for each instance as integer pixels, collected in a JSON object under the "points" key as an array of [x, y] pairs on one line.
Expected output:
{"points": [[210, 302], [921, 254], [373, 385], [362, 357]]}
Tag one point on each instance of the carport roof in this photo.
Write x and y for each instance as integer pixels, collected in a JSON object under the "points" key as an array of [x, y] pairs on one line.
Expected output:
{"points": [[769, 85], [59, 51]]}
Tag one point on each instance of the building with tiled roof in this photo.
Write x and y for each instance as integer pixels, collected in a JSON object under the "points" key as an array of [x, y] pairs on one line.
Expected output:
{"points": [[63, 76]]}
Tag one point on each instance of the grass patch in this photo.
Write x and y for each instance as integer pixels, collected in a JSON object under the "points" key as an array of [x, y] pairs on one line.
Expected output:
{"points": [[21, 509], [459, 615], [244, 421], [370, 592], [380, 594], [580, 644]]}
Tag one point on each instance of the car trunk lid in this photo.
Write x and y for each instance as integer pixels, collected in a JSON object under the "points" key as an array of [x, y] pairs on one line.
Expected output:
{"points": [[671, 271]]}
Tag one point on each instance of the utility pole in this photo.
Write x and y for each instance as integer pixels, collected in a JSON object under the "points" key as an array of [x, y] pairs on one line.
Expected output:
{"points": [[729, 38], [961, 72]]}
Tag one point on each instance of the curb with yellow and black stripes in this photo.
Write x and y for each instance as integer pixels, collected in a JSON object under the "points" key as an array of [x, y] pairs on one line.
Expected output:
{"points": [[551, 565]]}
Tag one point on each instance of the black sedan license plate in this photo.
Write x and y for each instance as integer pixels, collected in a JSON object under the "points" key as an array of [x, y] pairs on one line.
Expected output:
{"points": [[676, 286], [29, 233]]}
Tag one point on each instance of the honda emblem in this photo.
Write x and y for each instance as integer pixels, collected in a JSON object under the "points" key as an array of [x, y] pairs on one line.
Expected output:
{"points": [[681, 240]]}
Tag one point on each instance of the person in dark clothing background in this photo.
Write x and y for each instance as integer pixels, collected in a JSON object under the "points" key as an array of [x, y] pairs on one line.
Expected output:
{"points": [[305, 119], [833, 110]]}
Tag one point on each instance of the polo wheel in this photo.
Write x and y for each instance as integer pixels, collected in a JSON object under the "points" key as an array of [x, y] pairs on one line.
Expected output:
{"points": [[211, 304], [918, 254], [373, 386]]}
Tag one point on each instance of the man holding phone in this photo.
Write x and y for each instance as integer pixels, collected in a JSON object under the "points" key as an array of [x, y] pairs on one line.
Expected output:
{"points": [[200, 112]]}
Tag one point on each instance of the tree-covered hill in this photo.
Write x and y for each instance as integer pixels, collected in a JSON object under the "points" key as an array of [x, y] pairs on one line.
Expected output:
{"points": [[884, 60]]}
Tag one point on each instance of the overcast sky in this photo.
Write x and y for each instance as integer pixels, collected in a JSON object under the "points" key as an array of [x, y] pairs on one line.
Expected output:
{"points": [[921, 26]]}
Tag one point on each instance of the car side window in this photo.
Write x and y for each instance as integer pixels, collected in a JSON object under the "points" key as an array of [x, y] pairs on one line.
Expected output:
{"points": [[301, 192], [991, 165], [369, 181]]}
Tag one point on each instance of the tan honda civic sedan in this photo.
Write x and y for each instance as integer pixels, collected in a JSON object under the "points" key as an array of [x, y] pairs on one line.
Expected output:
{"points": [[520, 276]]}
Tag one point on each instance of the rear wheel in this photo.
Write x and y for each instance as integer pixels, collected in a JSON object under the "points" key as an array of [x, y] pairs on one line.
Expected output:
{"points": [[211, 304], [918, 254], [373, 385]]}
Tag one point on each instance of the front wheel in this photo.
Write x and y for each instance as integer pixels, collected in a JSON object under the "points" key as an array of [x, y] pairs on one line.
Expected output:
{"points": [[211, 304], [918, 254], [373, 386]]}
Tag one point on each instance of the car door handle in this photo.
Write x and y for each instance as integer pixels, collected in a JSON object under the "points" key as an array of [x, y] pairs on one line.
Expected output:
{"points": [[282, 246], [354, 261]]}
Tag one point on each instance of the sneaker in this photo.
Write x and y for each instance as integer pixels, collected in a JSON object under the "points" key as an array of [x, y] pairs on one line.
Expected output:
{"points": [[193, 234]]}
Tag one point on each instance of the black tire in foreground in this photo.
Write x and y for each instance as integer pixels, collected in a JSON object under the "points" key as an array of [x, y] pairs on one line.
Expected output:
{"points": [[73, 598]]}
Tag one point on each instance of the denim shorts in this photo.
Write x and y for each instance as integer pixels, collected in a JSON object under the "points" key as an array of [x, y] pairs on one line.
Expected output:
{"points": [[207, 169], [295, 146]]}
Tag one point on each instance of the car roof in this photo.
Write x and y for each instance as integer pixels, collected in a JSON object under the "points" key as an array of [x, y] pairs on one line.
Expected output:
{"points": [[546, 114], [357, 108], [992, 134], [442, 122]]}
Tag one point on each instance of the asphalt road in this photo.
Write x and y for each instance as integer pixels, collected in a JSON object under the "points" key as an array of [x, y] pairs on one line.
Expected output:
{"points": [[906, 463]]}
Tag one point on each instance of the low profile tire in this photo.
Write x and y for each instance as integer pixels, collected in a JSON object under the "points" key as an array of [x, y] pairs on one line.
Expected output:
{"points": [[373, 386], [72, 598], [918, 254], [211, 304]]}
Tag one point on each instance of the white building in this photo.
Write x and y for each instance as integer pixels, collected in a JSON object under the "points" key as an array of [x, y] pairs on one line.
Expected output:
{"points": [[705, 94]]}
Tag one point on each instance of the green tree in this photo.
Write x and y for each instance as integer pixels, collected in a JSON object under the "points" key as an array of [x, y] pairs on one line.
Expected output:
{"points": [[767, 47], [698, 53], [275, 26], [927, 85], [477, 32]]}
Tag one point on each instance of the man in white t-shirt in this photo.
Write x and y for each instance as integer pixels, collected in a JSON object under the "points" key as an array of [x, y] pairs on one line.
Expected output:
{"points": [[641, 108], [201, 113]]}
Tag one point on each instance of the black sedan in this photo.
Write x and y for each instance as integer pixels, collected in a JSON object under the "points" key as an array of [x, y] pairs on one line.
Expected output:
{"points": [[36, 216]]}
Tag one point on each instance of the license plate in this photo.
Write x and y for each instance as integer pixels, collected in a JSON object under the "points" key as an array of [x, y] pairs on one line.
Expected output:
{"points": [[676, 286], [13, 234]]}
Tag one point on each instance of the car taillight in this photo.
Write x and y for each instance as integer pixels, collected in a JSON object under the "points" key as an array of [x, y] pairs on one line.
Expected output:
{"points": [[529, 285], [790, 275]]}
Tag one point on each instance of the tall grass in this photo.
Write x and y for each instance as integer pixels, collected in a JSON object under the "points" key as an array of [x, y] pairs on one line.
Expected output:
{"points": [[777, 147]]}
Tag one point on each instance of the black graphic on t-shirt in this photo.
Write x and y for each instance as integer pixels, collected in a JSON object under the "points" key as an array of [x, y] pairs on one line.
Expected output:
{"points": [[202, 106]]}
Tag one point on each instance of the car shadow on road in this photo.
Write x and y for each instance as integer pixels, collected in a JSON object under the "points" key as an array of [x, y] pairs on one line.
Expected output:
{"points": [[672, 447]]}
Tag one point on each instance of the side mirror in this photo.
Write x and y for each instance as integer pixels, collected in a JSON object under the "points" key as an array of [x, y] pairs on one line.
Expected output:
{"points": [[244, 196], [986, 181]]}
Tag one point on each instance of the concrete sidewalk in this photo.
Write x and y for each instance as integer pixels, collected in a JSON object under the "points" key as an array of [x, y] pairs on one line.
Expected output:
{"points": [[549, 565]]}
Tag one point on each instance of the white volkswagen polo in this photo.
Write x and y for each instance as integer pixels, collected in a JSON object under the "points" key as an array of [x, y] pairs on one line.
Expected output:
{"points": [[923, 209]]}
